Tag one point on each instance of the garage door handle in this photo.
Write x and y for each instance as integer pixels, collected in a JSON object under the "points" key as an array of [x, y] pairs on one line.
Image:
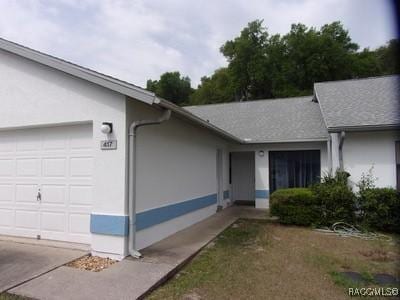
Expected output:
{"points": [[39, 196]]}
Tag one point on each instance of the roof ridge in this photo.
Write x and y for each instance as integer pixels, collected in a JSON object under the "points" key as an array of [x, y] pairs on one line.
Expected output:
{"points": [[357, 79], [249, 101]]}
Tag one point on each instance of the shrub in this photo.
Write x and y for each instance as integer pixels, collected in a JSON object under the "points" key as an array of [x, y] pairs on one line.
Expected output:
{"points": [[380, 209], [294, 206], [336, 199]]}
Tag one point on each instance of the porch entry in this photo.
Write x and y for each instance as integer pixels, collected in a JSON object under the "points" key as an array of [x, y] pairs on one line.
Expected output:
{"points": [[288, 169], [242, 170]]}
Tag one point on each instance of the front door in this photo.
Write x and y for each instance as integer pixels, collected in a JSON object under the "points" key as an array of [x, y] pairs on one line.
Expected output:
{"points": [[243, 176]]}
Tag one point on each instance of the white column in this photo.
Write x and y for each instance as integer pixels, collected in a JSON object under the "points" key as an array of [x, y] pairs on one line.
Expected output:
{"points": [[335, 139]]}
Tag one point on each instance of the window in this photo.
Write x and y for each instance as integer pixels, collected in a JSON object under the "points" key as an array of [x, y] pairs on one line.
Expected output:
{"points": [[398, 164], [289, 169]]}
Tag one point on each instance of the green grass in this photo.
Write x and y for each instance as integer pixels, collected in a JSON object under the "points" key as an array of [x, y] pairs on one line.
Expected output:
{"points": [[7, 296], [214, 265], [252, 259]]}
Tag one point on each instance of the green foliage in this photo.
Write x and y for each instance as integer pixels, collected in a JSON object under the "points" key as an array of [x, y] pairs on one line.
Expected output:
{"points": [[332, 200], [247, 59], [294, 206], [388, 57], [336, 199], [172, 87], [380, 209], [215, 89], [263, 66], [367, 181]]}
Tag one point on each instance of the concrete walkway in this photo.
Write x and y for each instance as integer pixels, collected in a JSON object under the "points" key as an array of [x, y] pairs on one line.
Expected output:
{"points": [[21, 261], [133, 278]]}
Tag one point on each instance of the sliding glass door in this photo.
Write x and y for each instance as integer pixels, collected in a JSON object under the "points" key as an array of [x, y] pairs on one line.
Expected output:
{"points": [[289, 169]]}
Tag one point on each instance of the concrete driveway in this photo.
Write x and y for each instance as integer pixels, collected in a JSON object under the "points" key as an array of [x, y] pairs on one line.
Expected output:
{"points": [[20, 262]]}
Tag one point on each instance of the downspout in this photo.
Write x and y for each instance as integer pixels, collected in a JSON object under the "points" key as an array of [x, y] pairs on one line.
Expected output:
{"points": [[342, 136], [132, 177]]}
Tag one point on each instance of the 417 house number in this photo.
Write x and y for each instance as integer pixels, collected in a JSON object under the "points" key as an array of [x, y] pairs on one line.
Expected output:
{"points": [[108, 145]]}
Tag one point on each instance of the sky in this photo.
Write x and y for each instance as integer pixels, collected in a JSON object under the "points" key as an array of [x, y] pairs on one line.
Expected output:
{"points": [[136, 40]]}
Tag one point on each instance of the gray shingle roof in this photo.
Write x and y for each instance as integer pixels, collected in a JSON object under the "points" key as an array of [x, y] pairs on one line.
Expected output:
{"points": [[263, 121], [364, 103]]}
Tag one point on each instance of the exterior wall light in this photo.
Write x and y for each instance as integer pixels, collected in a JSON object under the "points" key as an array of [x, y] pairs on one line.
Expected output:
{"points": [[261, 153], [106, 127]]}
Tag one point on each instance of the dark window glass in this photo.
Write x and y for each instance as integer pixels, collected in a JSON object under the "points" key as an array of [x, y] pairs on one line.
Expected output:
{"points": [[293, 168]]}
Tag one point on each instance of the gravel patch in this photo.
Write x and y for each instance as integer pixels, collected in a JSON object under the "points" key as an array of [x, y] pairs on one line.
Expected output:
{"points": [[91, 263]]}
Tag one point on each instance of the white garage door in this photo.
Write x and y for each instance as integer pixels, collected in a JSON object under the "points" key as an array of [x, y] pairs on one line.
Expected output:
{"points": [[46, 182]]}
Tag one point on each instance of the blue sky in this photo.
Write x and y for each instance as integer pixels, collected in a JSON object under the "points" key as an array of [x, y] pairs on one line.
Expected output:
{"points": [[138, 40]]}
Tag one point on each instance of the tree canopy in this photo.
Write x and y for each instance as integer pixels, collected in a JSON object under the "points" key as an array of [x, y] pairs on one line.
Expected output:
{"points": [[262, 66], [171, 86]]}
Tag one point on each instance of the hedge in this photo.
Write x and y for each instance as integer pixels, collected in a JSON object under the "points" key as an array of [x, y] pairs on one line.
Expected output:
{"points": [[330, 202], [294, 206], [380, 209]]}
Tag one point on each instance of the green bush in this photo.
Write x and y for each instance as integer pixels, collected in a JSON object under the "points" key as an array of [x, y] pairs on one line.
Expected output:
{"points": [[380, 209], [336, 199], [332, 200], [294, 206]]}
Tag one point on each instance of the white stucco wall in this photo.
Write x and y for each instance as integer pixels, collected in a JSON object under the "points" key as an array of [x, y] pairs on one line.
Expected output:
{"points": [[33, 95], [176, 162], [262, 162], [363, 150]]}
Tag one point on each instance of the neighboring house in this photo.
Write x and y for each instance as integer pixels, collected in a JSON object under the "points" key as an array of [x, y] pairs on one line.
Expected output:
{"points": [[64, 177]]}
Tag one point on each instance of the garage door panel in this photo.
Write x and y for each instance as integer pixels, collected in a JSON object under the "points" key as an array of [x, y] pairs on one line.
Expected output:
{"points": [[6, 218], [53, 221], [81, 139], [79, 223], [27, 220], [28, 167], [59, 162], [81, 166], [26, 193], [7, 167], [80, 195], [54, 139], [54, 167], [6, 192], [28, 140], [7, 142], [53, 194]]}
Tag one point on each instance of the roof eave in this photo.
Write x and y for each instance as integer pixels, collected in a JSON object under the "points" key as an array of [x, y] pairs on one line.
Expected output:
{"points": [[318, 139], [364, 128], [189, 116]]}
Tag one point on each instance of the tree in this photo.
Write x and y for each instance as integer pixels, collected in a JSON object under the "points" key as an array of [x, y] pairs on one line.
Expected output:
{"points": [[215, 89], [247, 59], [389, 57], [263, 66], [171, 86], [313, 56]]}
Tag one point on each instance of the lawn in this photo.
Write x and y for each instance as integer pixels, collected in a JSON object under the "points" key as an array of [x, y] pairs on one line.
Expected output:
{"points": [[7, 296], [258, 260]]}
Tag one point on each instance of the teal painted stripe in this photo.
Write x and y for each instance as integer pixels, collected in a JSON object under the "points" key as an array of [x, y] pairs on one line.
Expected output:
{"points": [[110, 225], [226, 194], [262, 194], [159, 215]]}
